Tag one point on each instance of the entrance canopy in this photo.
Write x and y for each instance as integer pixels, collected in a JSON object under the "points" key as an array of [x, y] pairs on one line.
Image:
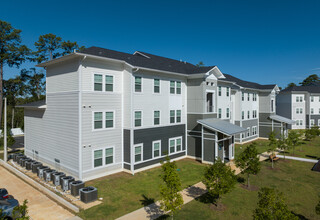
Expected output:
{"points": [[221, 126], [282, 119]]}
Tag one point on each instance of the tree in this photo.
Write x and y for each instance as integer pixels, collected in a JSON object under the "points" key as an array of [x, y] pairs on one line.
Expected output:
{"points": [[36, 82], [248, 161], [219, 179], [171, 199], [271, 205], [272, 145], [21, 212], [69, 47], [293, 139], [12, 53], [200, 64], [310, 79], [47, 48], [311, 133], [282, 144], [291, 85]]}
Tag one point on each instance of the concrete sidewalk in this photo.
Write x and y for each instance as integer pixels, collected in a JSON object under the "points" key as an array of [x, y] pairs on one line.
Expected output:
{"points": [[39, 206], [299, 159], [153, 211]]}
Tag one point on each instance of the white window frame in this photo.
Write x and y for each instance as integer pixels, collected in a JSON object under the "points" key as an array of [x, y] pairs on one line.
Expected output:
{"points": [[176, 114], [219, 91], [312, 111], [228, 112], [134, 151], [103, 120], [134, 84], [312, 122], [174, 88], [154, 142], [248, 132], [318, 122], [103, 157], [134, 117], [177, 87], [159, 117], [175, 145], [242, 115], [103, 82], [228, 92], [219, 114], [173, 116], [312, 98], [248, 114], [155, 85]]}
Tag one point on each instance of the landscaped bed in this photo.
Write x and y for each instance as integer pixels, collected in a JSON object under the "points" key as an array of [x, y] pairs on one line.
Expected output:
{"points": [[300, 185], [123, 193]]}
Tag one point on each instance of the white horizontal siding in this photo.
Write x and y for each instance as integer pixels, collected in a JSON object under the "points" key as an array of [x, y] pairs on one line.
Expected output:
{"points": [[98, 139], [53, 132]]}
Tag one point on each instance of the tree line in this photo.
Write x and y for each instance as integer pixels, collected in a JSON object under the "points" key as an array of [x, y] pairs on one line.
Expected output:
{"points": [[29, 84]]}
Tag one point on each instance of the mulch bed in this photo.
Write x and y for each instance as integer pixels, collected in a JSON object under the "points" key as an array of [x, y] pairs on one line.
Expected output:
{"points": [[218, 207], [250, 188]]}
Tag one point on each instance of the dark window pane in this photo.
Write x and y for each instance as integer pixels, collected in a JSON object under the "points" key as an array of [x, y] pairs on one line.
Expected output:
{"points": [[98, 162], [98, 87], [97, 124], [109, 160]]}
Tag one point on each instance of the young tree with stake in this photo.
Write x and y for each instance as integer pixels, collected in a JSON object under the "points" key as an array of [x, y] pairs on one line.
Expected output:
{"points": [[248, 161], [272, 145]]}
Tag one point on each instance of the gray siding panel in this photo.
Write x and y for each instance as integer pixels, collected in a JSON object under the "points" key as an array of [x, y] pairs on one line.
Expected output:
{"points": [[126, 145], [147, 136], [208, 150]]}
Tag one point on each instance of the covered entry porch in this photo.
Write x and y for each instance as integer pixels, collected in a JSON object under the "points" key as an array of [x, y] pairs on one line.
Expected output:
{"points": [[217, 139], [281, 123]]}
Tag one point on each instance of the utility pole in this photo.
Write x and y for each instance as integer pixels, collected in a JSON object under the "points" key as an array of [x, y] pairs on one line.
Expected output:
{"points": [[5, 131]]}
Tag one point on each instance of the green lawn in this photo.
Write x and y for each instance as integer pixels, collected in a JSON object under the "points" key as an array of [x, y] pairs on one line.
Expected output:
{"points": [[123, 193], [309, 149], [300, 185]]}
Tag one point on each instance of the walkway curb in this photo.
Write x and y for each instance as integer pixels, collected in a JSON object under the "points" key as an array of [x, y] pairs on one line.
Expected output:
{"points": [[40, 188]]}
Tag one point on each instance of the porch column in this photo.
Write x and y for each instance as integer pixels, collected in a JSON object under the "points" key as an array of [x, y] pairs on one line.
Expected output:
{"points": [[272, 124], [202, 142], [281, 132], [216, 146]]}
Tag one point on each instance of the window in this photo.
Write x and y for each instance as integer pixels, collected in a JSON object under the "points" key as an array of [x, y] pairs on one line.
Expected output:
{"points": [[97, 158], [98, 120], [301, 98], [248, 96], [137, 118], [178, 87], [109, 156], [248, 114], [97, 82], [228, 92], [172, 87], [137, 84], [254, 114], [172, 116], [254, 97], [242, 115], [156, 117], [242, 135], [300, 110], [318, 122], [248, 132], [272, 105], [297, 122], [319, 110], [219, 91], [138, 153], [227, 113], [242, 96], [254, 130], [219, 113], [312, 122], [312, 99], [156, 85], [178, 143], [109, 119], [297, 98], [312, 111], [109, 83], [297, 110], [156, 148], [178, 120], [172, 146]]}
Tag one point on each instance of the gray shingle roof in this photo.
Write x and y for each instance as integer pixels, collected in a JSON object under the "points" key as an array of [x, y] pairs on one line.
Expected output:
{"points": [[146, 60], [312, 89], [247, 84], [282, 119]]}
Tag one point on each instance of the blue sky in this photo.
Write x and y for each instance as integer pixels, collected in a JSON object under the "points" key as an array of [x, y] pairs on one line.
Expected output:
{"points": [[261, 41]]}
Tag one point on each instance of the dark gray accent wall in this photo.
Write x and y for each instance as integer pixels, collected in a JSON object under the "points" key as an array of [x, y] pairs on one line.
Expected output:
{"points": [[315, 117], [158, 160], [148, 135], [126, 166], [265, 126], [208, 150], [126, 145], [194, 146], [249, 123]]}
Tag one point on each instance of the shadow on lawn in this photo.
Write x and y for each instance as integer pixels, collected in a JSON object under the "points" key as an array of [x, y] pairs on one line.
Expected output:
{"points": [[146, 201], [301, 217], [153, 210]]}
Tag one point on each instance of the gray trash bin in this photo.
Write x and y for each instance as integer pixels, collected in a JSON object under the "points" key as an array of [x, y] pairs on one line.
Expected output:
{"points": [[75, 186], [88, 194], [65, 182]]}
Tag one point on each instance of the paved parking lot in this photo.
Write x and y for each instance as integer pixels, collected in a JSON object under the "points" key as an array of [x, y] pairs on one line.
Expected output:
{"points": [[39, 206]]}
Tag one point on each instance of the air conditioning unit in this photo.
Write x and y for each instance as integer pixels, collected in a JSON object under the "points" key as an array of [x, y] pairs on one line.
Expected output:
{"points": [[41, 170], [75, 186], [47, 175], [29, 164], [65, 182], [19, 158], [88, 194], [23, 162], [56, 178], [34, 166], [15, 156]]}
